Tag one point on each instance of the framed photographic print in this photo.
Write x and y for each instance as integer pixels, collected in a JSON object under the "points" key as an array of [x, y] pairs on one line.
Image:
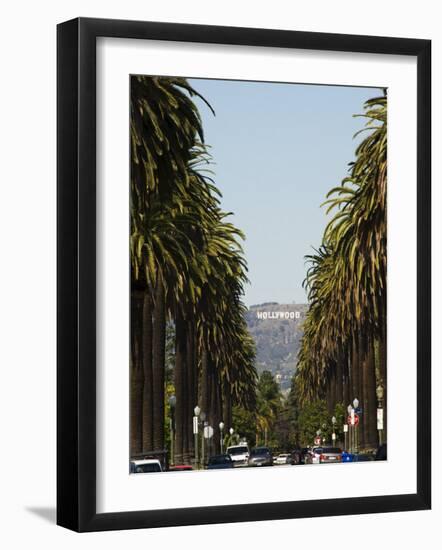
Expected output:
{"points": [[243, 274]]}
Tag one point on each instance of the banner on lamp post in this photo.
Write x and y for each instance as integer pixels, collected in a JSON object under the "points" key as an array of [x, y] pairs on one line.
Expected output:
{"points": [[380, 419]]}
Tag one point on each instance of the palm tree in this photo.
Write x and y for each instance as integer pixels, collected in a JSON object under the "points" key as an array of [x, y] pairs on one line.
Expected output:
{"points": [[346, 283], [136, 374], [165, 127], [148, 398], [187, 265]]}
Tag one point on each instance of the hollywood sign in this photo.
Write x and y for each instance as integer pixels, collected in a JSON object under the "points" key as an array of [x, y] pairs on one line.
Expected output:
{"points": [[278, 314]]}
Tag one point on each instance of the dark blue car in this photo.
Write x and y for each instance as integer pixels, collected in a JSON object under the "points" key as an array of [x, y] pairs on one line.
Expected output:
{"points": [[363, 457], [347, 457], [220, 462]]}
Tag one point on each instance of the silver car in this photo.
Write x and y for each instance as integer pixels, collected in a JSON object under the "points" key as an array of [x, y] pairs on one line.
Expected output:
{"points": [[330, 454], [261, 456]]}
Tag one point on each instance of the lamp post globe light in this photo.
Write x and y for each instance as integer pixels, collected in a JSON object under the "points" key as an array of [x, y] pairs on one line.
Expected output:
{"points": [[172, 404], [197, 411], [355, 402], [221, 428], [231, 431]]}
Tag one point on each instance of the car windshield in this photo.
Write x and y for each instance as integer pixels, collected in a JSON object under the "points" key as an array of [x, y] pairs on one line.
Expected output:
{"points": [[260, 451], [237, 450], [331, 450], [147, 468]]}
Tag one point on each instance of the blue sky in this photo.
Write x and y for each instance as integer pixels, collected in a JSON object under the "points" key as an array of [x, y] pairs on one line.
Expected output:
{"points": [[277, 150]]}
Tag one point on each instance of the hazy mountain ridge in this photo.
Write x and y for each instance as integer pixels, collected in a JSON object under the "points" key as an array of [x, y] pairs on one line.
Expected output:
{"points": [[277, 331]]}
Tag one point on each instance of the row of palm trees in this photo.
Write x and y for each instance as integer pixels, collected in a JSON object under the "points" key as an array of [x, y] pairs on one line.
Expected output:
{"points": [[187, 266], [343, 350]]}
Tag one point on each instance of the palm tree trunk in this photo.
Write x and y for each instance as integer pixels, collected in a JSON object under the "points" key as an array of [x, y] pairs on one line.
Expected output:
{"points": [[148, 381], [180, 389], [158, 364], [195, 388], [211, 404], [346, 381], [339, 378], [363, 419], [355, 369], [328, 394], [371, 434], [204, 381], [355, 376], [136, 374], [227, 406], [363, 394], [383, 372], [190, 399], [334, 387], [217, 413]]}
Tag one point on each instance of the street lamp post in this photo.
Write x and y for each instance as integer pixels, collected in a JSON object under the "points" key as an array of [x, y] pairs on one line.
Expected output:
{"points": [[355, 406], [203, 424], [197, 412], [221, 428], [380, 412], [334, 433], [231, 432], [324, 427], [350, 435], [345, 429], [172, 403]]}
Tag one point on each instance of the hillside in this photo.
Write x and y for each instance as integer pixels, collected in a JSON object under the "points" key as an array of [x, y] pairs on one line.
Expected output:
{"points": [[277, 331]]}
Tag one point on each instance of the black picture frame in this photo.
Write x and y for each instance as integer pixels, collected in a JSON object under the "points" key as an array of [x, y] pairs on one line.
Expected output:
{"points": [[76, 273]]}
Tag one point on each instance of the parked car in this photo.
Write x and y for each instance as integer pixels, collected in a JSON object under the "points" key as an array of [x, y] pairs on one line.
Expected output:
{"points": [[239, 454], [284, 458], [304, 452], [363, 457], [298, 456], [381, 453], [145, 466], [261, 456], [220, 462], [347, 457], [350, 457], [312, 456], [330, 454]]}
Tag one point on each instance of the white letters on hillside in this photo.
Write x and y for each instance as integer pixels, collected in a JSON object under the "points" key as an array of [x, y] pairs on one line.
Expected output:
{"points": [[278, 314]]}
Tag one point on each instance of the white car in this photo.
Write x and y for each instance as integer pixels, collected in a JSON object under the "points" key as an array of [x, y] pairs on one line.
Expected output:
{"points": [[283, 459], [145, 466], [239, 454]]}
